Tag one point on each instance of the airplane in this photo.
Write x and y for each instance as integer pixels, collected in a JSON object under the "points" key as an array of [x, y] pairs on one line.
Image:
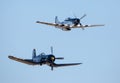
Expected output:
{"points": [[43, 59], [69, 23]]}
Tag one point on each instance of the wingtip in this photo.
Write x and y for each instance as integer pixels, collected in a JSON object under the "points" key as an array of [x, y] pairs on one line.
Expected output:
{"points": [[37, 22], [102, 25], [80, 63], [10, 56]]}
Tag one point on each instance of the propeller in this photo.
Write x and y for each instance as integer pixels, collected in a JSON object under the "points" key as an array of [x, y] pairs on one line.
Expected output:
{"points": [[51, 50], [74, 15], [77, 21], [83, 16], [59, 58], [56, 57]]}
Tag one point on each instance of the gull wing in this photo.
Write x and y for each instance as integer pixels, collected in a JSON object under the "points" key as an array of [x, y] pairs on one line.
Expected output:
{"points": [[62, 65], [51, 24], [26, 61]]}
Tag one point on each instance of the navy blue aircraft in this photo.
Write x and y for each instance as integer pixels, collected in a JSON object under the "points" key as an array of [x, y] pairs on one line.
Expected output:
{"points": [[43, 59], [69, 23]]}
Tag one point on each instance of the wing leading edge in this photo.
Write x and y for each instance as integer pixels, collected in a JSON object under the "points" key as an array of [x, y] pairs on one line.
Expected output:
{"points": [[26, 61], [51, 24]]}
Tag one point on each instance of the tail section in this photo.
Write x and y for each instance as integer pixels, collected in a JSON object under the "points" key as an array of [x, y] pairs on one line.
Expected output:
{"points": [[56, 20], [34, 53]]}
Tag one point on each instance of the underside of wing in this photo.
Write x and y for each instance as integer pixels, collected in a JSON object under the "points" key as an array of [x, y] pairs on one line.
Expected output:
{"points": [[85, 26], [93, 25], [51, 24], [62, 65], [26, 61]]}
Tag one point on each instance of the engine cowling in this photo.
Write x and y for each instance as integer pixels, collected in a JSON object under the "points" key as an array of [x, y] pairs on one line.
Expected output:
{"points": [[51, 58], [76, 22]]}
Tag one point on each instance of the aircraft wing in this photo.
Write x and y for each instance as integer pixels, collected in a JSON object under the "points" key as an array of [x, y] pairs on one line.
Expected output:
{"points": [[62, 65], [26, 61], [66, 27], [51, 24], [85, 26]]}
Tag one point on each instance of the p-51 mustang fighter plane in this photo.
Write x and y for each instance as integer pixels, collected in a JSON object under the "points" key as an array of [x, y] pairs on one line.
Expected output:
{"points": [[42, 59], [69, 23]]}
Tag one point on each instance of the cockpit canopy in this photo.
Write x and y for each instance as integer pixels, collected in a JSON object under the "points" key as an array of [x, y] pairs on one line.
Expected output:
{"points": [[67, 19], [42, 53]]}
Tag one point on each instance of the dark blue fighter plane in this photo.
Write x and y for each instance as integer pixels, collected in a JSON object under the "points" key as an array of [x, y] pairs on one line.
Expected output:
{"points": [[69, 23], [43, 59]]}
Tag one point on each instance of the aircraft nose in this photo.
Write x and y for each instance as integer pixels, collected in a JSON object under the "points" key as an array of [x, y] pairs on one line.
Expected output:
{"points": [[51, 58], [77, 20]]}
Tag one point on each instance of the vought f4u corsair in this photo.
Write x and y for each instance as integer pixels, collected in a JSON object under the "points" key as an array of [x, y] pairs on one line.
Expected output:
{"points": [[42, 59], [69, 23]]}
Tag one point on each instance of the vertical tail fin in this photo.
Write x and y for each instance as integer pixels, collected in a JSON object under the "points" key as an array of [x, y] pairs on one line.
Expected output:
{"points": [[34, 53], [56, 20]]}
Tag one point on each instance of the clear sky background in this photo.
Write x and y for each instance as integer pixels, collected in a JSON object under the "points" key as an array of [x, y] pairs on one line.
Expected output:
{"points": [[97, 48]]}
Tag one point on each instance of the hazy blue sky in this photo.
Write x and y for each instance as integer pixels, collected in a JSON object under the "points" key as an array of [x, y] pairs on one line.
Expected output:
{"points": [[97, 48]]}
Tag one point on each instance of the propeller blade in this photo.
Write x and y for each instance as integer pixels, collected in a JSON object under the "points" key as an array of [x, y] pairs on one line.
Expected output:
{"points": [[74, 15], [83, 16], [59, 58], [52, 68], [51, 50]]}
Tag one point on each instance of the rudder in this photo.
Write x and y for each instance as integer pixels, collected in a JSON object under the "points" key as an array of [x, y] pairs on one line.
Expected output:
{"points": [[34, 53], [56, 20]]}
